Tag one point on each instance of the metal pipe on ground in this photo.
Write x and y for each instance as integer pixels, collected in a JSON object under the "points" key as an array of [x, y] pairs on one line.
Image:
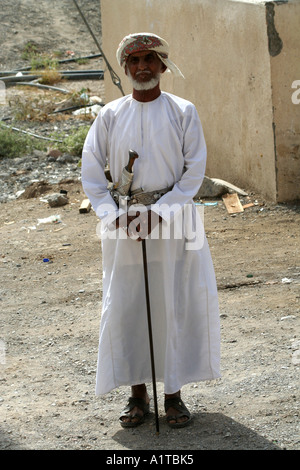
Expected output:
{"points": [[94, 75], [62, 61]]}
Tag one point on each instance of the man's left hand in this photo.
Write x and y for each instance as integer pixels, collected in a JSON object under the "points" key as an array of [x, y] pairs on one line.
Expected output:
{"points": [[143, 224]]}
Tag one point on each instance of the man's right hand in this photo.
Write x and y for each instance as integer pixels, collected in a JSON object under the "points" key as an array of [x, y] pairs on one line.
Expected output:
{"points": [[123, 221], [143, 224]]}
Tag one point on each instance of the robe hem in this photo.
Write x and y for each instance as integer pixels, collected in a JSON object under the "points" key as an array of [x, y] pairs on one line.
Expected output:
{"points": [[148, 380]]}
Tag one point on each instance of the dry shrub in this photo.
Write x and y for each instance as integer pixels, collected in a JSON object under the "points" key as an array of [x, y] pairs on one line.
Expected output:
{"points": [[50, 76]]}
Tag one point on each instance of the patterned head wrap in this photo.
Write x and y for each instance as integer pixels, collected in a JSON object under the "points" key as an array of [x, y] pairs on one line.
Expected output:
{"points": [[144, 42]]}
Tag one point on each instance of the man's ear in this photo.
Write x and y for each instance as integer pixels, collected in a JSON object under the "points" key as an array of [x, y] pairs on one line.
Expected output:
{"points": [[163, 67], [126, 69]]}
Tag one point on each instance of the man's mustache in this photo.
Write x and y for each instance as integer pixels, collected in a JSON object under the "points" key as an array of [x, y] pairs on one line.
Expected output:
{"points": [[142, 72]]}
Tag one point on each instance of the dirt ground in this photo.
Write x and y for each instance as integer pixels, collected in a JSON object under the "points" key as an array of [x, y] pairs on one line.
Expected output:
{"points": [[50, 312]]}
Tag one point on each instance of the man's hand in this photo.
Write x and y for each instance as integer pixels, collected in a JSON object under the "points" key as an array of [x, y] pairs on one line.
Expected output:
{"points": [[123, 221], [138, 225], [143, 224]]}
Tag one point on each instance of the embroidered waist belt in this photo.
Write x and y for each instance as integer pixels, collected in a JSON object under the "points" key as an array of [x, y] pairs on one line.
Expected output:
{"points": [[122, 194], [138, 196]]}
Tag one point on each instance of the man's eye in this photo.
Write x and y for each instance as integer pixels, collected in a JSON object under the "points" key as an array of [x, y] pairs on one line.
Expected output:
{"points": [[134, 60], [149, 58]]}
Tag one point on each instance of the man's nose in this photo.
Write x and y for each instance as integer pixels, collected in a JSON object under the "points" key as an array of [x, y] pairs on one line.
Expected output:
{"points": [[142, 63]]}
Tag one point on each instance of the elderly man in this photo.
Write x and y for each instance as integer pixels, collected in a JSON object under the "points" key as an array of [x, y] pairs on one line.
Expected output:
{"points": [[166, 133]]}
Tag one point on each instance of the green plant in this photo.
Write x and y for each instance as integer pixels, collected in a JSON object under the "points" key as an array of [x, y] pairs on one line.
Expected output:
{"points": [[58, 53], [80, 97], [39, 60], [82, 61], [14, 144], [32, 109], [73, 143], [30, 49], [43, 62]]}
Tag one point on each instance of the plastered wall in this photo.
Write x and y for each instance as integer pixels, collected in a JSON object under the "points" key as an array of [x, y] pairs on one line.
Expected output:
{"points": [[239, 59], [285, 72]]}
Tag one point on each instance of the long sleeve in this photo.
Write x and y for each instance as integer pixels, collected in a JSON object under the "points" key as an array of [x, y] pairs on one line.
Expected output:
{"points": [[194, 153], [94, 181]]}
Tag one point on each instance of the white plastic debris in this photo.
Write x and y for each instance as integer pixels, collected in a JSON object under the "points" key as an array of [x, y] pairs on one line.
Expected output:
{"points": [[89, 110], [50, 220], [96, 100]]}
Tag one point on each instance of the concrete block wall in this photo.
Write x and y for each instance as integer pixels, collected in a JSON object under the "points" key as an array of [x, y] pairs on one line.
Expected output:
{"points": [[240, 60]]}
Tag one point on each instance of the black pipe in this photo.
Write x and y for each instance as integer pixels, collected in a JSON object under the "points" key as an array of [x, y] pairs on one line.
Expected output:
{"points": [[10, 73], [72, 59], [39, 85], [115, 78], [98, 74]]}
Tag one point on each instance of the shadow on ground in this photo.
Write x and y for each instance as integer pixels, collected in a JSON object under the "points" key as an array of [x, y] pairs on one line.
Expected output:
{"points": [[7, 442], [207, 431]]}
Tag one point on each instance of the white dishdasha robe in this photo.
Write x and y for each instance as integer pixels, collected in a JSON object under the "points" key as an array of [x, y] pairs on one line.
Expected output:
{"points": [[167, 134]]}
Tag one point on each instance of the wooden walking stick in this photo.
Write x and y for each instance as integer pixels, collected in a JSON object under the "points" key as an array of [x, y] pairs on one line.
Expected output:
{"points": [[124, 189], [150, 333]]}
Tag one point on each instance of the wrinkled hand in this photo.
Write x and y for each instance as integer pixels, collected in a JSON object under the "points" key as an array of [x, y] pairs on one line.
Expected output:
{"points": [[123, 221], [139, 225]]}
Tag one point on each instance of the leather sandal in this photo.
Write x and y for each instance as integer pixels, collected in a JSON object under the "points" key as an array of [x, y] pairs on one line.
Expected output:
{"points": [[134, 402], [178, 404]]}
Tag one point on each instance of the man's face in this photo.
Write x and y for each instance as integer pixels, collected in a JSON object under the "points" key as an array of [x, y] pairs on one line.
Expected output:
{"points": [[144, 69]]}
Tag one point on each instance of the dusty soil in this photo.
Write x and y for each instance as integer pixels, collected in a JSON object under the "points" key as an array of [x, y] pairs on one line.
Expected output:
{"points": [[50, 313]]}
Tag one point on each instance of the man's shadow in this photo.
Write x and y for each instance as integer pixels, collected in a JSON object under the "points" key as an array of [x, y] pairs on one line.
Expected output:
{"points": [[207, 431]]}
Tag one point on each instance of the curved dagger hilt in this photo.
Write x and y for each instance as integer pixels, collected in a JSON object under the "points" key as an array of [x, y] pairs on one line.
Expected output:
{"points": [[132, 157]]}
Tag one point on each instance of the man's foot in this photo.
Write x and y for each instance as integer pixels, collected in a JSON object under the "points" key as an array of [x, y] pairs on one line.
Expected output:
{"points": [[137, 407], [177, 413]]}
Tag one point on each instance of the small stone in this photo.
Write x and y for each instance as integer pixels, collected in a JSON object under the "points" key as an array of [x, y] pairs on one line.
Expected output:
{"points": [[288, 317], [296, 357], [54, 153], [214, 187], [57, 199]]}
